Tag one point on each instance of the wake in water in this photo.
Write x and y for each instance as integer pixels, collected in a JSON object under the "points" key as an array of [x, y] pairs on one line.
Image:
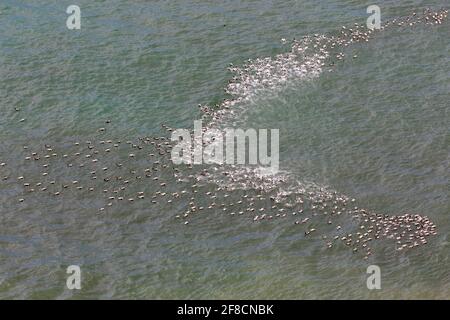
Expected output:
{"points": [[114, 173], [306, 60]]}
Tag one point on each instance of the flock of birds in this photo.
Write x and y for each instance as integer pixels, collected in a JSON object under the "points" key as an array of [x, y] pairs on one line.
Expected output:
{"points": [[124, 172], [307, 58]]}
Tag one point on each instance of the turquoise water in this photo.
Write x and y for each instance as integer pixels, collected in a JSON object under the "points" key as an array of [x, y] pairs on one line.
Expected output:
{"points": [[375, 129]]}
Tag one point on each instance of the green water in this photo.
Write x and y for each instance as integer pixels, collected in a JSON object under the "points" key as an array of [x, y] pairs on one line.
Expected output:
{"points": [[375, 129]]}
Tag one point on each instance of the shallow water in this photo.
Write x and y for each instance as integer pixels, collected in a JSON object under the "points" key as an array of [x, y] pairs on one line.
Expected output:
{"points": [[374, 129]]}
